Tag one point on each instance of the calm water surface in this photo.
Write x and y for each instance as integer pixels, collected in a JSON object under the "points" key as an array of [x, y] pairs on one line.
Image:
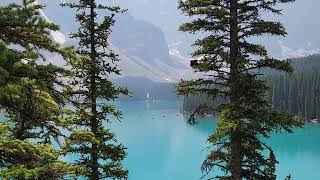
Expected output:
{"points": [[162, 146]]}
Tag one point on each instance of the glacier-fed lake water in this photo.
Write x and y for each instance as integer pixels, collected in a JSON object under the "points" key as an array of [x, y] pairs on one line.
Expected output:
{"points": [[163, 146]]}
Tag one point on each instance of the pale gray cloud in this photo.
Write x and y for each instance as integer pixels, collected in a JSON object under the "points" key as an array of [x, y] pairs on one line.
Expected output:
{"points": [[288, 52]]}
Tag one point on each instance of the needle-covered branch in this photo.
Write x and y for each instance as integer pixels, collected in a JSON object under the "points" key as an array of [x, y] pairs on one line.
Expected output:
{"points": [[232, 65]]}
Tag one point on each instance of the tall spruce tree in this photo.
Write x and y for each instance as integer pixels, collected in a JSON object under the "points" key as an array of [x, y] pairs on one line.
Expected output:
{"points": [[28, 96], [100, 154], [232, 61]]}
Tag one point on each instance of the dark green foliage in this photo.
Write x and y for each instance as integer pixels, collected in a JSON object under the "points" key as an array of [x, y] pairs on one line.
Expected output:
{"points": [[100, 154], [29, 97], [21, 159], [232, 64], [24, 26], [297, 93]]}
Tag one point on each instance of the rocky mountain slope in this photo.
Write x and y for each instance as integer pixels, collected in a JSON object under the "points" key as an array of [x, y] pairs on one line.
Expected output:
{"points": [[142, 46]]}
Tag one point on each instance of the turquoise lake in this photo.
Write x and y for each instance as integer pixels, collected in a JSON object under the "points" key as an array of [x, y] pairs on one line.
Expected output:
{"points": [[163, 146]]}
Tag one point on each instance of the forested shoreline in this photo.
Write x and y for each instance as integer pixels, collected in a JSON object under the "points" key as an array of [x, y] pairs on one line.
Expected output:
{"points": [[298, 92]]}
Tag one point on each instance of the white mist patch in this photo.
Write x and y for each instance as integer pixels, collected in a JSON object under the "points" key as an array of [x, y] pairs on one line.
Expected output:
{"points": [[287, 52], [175, 52], [58, 36]]}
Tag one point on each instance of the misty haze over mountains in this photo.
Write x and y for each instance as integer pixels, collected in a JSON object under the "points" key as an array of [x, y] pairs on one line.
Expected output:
{"points": [[151, 29], [143, 47], [302, 38], [152, 50]]}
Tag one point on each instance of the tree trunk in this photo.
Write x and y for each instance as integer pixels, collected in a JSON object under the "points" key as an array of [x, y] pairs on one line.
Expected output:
{"points": [[236, 155], [235, 145], [93, 88]]}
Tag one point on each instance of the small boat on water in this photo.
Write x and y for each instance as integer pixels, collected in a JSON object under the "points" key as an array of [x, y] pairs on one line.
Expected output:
{"points": [[315, 121]]}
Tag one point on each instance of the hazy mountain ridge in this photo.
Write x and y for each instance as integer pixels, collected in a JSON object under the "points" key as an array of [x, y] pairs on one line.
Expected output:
{"points": [[142, 46], [145, 52], [142, 43], [300, 41]]}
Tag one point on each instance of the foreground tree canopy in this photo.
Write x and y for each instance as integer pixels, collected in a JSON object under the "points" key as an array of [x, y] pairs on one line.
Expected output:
{"points": [[232, 62], [100, 154], [29, 97], [33, 96]]}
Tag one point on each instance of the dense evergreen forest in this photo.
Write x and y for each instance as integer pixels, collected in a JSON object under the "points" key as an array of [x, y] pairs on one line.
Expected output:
{"points": [[298, 92]]}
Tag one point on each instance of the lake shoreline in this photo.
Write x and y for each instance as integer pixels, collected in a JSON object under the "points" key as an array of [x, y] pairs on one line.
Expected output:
{"points": [[208, 114]]}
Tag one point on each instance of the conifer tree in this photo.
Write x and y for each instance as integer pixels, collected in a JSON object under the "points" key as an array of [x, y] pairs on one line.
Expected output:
{"points": [[100, 154], [23, 25], [28, 96], [232, 61]]}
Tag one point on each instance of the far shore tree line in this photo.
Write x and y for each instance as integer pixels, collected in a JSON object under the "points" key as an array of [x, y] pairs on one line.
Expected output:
{"points": [[297, 93], [39, 127]]}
